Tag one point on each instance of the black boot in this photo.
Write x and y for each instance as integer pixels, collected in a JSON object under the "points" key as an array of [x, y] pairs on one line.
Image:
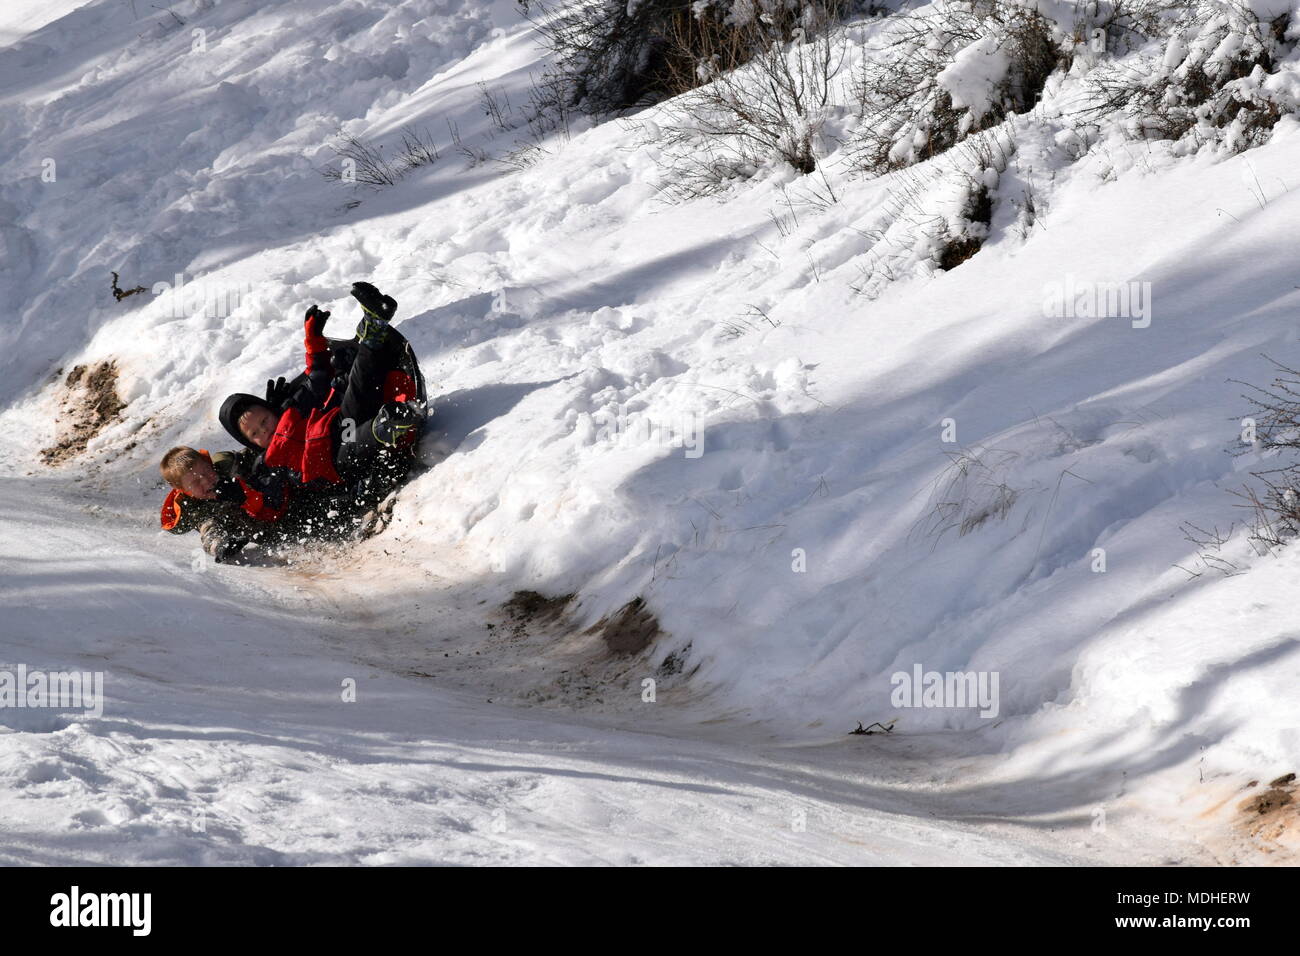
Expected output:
{"points": [[395, 422], [378, 310]]}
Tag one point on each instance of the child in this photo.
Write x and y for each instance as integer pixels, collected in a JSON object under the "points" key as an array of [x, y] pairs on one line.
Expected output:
{"points": [[202, 498], [335, 431], [218, 496]]}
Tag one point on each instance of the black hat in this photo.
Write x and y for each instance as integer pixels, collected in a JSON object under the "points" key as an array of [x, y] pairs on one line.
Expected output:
{"points": [[235, 406]]}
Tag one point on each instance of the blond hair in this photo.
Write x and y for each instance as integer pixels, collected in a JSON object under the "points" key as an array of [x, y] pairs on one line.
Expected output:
{"points": [[177, 463]]}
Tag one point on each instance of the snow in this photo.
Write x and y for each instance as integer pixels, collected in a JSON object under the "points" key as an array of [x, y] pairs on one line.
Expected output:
{"points": [[229, 742], [973, 77], [734, 408], [21, 17]]}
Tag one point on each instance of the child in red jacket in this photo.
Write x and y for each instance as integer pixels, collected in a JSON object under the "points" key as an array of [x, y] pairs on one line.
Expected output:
{"points": [[210, 495], [332, 430]]}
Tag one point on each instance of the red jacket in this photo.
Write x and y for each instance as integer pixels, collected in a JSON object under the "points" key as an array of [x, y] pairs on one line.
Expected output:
{"points": [[181, 513], [304, 443], [258, 506]]}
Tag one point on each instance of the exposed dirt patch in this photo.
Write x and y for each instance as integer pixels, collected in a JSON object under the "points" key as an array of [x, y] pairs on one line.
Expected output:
{"points": [[979, 209], [675, 662], [958, 251], [89, 403], [530, 653], [1266, 802], [631, 630], [530, 608], [1272, 816]]}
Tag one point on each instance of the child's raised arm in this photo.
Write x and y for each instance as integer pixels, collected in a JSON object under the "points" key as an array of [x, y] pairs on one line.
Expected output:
{"points": [[313, 391]]}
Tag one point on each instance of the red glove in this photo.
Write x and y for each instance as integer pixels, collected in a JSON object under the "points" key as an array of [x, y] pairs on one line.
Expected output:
{"points": [[317, 346], [315, 322]]}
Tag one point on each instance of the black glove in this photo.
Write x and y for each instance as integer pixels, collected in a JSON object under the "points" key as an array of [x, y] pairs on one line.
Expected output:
{"points": [[277, 392], [227, 551], [383, 307], [219, 542], [231, 492]]}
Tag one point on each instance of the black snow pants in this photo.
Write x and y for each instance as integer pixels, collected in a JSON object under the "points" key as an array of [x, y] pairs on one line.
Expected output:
{"points": [[357, 452]]}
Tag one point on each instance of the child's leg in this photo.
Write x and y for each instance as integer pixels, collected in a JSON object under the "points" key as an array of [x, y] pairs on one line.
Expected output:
{"points": [[364, 394], [379, 444]]}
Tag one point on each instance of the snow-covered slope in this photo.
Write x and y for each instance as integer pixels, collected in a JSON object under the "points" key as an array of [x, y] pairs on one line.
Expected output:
{"points": [[819, 460]]}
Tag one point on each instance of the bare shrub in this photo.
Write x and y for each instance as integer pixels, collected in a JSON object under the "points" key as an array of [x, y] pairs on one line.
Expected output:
{"points": [[905, 88], [361, 164], [1274, 500], [1206, 82], [1210, 546], [772, 108], [546, 117], [721, 37], [934, 216], [978, 163], [619, 54], [496, 107], [971, 491], [418, 149], [611, 53], [754, 318], [474, 155]]}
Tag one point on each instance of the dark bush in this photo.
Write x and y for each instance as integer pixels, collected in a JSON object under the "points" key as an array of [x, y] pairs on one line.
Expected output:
{"points": [[620, 54]]}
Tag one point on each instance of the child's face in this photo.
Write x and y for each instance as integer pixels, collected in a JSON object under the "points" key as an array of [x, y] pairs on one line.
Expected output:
{"points": [[258, 425], [200, 481]]}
